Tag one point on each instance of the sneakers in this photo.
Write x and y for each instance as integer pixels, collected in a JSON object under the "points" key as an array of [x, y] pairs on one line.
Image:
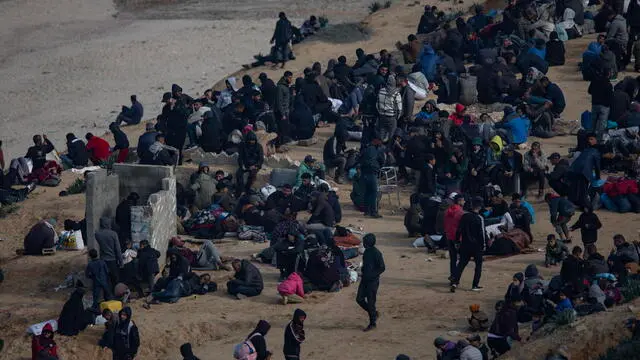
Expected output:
{"points": [[477, 288], [369, 328], [453, 288], [241, 296]]}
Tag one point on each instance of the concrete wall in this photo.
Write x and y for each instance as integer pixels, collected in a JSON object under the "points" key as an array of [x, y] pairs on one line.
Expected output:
{"points": [[164, 219], [142, 179], [102, 199]]}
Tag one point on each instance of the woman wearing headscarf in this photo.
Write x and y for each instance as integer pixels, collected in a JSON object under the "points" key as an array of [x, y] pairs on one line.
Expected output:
{"points": [[257, 338], [43, 347], [294, 335], [127, 340], [73, 317]]}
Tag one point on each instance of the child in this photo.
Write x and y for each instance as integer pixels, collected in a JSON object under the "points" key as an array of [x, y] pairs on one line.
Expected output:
{"points": [[291, 289], [413, 218], [109, 329], [555, 252], [514, 292], [589, 224], [98, 272], [476, 341], [148, 263], [564, 303], [479, 321]]}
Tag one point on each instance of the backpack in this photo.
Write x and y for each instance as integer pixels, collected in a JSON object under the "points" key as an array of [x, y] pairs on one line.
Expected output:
{"points": [[245, 351]]}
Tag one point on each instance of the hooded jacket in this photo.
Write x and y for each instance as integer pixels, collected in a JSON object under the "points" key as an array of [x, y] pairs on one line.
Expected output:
{"points": [[108, 242], [493, 156], [77, 151], [292, 285], [597, 264], [618, 31], [428, 61], [122, 142], [506, 323], [250, 154], [43, 348], [372, 260], [73, 317], [127, 338], [283, 98], [187, 352], [587, 164], [302, 119], [224, 99], [389, 99], [518, 127], [204, 187], [452, 218], [212, 138], [589, 224]]}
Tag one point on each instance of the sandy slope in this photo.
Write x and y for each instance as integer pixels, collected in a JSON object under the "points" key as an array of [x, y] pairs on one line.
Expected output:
{"points": [[414, 300]]}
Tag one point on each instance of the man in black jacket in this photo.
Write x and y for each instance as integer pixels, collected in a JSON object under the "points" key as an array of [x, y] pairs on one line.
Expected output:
{"points": [[268, 89], [428, 176], [77, 154], [557, 178], [148, 263], [247, 281], [250, 160], [282, 107], [281, 37], [175, 114], [471, 235], [333, 154], [38, 152], [372, 267]]}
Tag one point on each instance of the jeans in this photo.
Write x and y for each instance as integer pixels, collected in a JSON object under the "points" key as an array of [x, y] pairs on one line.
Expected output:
{"points": [[106, 291], [453, 259], [208, 256], [600, 116], [386, 127], [325, 233], [370, 182], [235, 288], [534, 176], [561, 226], [172, 293], [366, 298], [191, 132], [66, 161], [465, 256], [338, 163]]}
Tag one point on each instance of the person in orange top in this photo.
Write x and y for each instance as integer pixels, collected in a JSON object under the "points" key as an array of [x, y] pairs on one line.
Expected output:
{"points": [[98, 148]]}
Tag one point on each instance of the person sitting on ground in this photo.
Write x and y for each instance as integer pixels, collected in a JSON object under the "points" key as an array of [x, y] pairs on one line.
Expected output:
{"points": [[445, 349], [281, 199], [479, 321], [555, 50], [515, 125], [148, 263], [564, 303], [596, 263], [77, 154], [43, 346], [41, 236], [224, 197], [131, 115], [623, 254], [292, 289], [203, 185], [305, 189], [333, 154], [309, 166], [73, 317], [98, 148], [476, 341], [127, 338], [573, 270], [468, 351], [247, 281], [146, 140], [38, 152], [515, 289], [110, 326], [504, 328], [561, 210], [413, 217], [322, 216], [555, 252], [122, 142], [250, 161]]}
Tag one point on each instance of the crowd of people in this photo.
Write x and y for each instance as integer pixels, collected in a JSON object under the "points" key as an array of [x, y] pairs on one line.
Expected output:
{"points": [[461, 165]]}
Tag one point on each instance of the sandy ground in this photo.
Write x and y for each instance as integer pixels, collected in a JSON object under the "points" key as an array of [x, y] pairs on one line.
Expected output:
{"points": [[96, 56]]}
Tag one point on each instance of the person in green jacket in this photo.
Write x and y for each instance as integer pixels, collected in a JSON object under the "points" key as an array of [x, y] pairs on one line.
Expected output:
{"points": [[310, 166]]}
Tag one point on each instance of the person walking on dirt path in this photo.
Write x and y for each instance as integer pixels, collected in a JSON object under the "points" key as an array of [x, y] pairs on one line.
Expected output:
{"points": [[281, 37], [372, 267], [472, 244]]}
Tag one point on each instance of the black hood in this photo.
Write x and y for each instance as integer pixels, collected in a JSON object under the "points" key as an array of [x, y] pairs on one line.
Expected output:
{"points": [[187, 352], [251, 136], [369, 241]]}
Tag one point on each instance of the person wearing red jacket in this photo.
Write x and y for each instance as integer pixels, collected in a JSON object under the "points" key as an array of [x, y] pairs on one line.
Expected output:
{"points": [[98, 148], [451, 220], [43, 346]]}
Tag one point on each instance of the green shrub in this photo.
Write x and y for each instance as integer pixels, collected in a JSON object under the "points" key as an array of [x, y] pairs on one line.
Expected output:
{"points": [[323, 20], [374, 7], [566, 317], [631, 290]]}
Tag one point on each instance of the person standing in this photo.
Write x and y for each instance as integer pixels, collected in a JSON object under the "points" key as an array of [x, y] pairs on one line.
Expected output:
{"points": [[471, 236], [389, 107], [294, 335], [282, 108], [584, 169], [110, 252], [601, 92], [127, 339], [589, 224], [98, 272], [175, 114], [452, 218], [257, 338], [281, 37], [372, 267], [370, 164], [560, 212]]}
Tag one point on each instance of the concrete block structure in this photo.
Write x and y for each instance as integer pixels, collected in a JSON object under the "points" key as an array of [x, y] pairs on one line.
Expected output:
{"points": [[154, 219]]}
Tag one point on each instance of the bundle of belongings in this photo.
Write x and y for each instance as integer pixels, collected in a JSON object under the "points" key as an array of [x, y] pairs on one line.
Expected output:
{"points": [[211, 222], [620, 195]]}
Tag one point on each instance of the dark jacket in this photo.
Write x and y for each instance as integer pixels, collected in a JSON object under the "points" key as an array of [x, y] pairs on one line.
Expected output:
{"points": [[513, 164], [148, 261], [302, 119], [471, 233], [77, 152], [249, 275], [180, 267], [322, 212], [560, 206], [332, 149], [372, 260], [555, 95], [506, 323], [427, 180], [620, 102], [41, 236], [38, 153], [283, 98], [589, 224], [313, 95], [269, 90], [408, 102], [334, 202], [121, 139], [108, 242], [98, 272], [211, 139], [573, 270], [559, 170], [587, 163], [279, 201], [555, 52], [597, 264], [144, 142], [282, 33], [176, 120], [127, 338], [250, 154], [601, 91], [135, 112], [371, 160]]}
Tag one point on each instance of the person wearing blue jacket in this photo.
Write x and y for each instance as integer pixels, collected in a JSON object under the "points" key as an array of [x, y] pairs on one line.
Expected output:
{"points": [[428, 60], [131, 115], [516, 125], [584, 169]]}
